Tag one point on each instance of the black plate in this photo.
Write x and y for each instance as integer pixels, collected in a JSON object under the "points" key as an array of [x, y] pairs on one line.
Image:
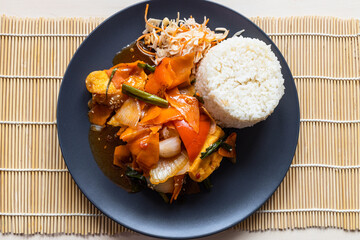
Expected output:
{"points": [[265, 151]]}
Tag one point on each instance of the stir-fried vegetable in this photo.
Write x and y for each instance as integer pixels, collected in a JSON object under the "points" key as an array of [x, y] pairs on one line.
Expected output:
{"points": [[167, 168], [144, 96], [99, 114], [188, 107], [200, 169], [227, 148], [146, 66], [170, 73], [159, 116], [125, 72], [207, 184], [212, 148], [111, 77], [178, 183], [192, 140], [177, 37], [166, 133], [128, 114], [121, 156], [165, 187], [146, 151], [170, 147], [138, 180]]}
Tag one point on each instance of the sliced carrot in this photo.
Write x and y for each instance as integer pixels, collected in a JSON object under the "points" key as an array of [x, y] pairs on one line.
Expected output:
{"points": [[125, 71], [192, 140], [231, 140], [98, 114], [162, 78], [164, 115], [145, 17], [188, 107], [121, 155], [146, 150], [170, 73], [155, 129], [131, 134], [182, 66], [178, 183], [152, 113], [121, 130]]}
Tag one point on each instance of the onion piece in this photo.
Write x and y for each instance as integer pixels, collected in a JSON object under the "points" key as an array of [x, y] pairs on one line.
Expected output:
{"points": [[166, 187], [184, 170], [167, 168], [96, 128], [128, 114], [170, 147]]}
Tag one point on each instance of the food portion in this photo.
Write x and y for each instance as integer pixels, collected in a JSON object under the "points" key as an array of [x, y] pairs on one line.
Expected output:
{"points": [[240, 81], [158, 123], [177, 37]]}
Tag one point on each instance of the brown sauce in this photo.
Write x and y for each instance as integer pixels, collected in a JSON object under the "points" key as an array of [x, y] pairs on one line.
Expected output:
{"points": [[103, 142], [131, 53]]}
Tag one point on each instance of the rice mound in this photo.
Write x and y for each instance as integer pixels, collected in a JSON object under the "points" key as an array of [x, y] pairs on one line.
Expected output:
{"points": [[240, 81]]}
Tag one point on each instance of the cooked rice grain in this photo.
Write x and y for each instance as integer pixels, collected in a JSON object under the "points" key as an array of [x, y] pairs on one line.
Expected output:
{"points": [[241, 82]]}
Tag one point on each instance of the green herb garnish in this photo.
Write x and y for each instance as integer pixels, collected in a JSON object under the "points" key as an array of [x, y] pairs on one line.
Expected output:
{"points": [[212, 148], [199, 98], [146, 66], [131, 173], [164, 197], [226, 146], [111, 77], [206, 183], [138, 181], [144, 96]]}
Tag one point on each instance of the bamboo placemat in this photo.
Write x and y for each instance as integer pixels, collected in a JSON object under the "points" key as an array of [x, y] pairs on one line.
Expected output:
{"points": [[321, 189]]}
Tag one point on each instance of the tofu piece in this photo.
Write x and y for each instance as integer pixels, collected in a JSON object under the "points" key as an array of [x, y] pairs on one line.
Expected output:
{"points": [[97, 81], [200, 169]]}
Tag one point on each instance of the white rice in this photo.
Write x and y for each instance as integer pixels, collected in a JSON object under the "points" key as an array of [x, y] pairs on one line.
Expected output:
{"points": [[241, 82]]}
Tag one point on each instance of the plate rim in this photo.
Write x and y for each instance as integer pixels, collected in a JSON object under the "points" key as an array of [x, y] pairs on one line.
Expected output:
{"points": [[262, 202]]}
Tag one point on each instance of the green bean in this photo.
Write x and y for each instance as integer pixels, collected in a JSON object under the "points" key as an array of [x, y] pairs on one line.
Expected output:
{"points": [[111, 77], [144, 96], [146, 66]]}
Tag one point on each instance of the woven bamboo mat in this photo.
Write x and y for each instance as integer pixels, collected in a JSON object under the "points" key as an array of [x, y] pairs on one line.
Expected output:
{"points": [[321, 189]]}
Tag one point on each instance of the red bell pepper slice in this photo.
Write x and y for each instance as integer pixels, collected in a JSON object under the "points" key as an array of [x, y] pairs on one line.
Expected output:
{"points": [[193, 140]]}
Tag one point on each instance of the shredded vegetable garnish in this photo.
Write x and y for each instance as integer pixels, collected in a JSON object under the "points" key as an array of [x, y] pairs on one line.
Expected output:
{"points": [[177, 37]]}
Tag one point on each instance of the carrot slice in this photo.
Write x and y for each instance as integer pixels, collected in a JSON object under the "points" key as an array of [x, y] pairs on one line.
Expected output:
{"points": [[231, 140], [159, 116], [131, 134], [170, 73], [121, 155], [162, 78], [128, 72], [146, 150], [182, 66], [188, 107], [98, 114], [151, 114], [178, 183], [192, 140]]}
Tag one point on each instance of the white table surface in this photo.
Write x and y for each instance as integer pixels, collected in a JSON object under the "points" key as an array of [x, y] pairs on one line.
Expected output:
{"points": [[252, 8]]}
